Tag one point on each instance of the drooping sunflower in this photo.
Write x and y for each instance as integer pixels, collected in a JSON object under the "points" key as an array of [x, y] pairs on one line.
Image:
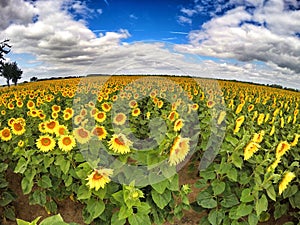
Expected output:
{"points": [[66, 142], [288, 177], [272, 130], [5, 134], [238, 123], [295, 141], [99, 178], [119, 143], [179, 150], [178, 124], [119, 119], [239, 108], [173, 116], [282, 147], [221, 117], [45, 143], [82, 135], [250, 149], [273, 165], [100, 132], [258, 137], [100, 116], [260, 118]]}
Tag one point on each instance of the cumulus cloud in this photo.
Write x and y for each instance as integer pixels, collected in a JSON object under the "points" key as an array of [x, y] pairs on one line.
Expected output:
{"points": [[184, 20], [265, 33]]}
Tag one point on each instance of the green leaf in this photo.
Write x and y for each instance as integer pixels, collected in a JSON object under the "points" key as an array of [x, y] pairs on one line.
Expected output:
{"points": [[161, 186], [45, 182], [204, 221], [208, 174], [261, 205], [247, 195], [288, 223], [205, 199], [83, 192], [57, 220], [23, 222], [232, 174], [116, 221], [161, 200], [38, 197], [62, 163], [95, 207], [229, 200], [138, 219], [290, 191], [271, 192], [174, 183], [6, 198], [252, 219], [9, 213], [124, 212], [201, 183], [295, 200], [48, 161], [3, 167], [21, 165], [280, 210], [218, 187], [215, 217], [237, 160], [244, 210]]}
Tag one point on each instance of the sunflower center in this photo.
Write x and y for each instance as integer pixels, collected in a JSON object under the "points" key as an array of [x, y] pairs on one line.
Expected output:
{"points": [[51, 125], [97, 176], [82, 133], [46, 141], [6, 133], [98, 131], [100, 115], [67, 141], [18, 126], [119, 141], [119, 118]]}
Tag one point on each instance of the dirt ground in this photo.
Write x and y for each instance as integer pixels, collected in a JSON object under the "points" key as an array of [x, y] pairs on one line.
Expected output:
{"points": [[71, 211]]}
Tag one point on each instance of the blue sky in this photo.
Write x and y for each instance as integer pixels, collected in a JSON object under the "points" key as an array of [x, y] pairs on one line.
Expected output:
{"points": [[247, 40]]}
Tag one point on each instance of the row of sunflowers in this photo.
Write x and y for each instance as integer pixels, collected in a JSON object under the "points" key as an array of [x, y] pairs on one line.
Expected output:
{"points": [[118, 143]]}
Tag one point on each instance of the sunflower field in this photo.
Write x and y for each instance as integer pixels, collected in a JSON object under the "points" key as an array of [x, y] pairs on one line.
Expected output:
{"points": [[116, 144]]}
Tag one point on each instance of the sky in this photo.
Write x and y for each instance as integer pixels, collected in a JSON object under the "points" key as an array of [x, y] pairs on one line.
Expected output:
{"points": [[246, 40]]}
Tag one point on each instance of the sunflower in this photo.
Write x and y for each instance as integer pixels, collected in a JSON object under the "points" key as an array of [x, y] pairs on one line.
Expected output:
{"points": [[133, 104], [82, 135], [260, 119], [61, 130], [136, 112], [100, 132], [78, 119], [272, 130], [258, 137], [100, 116], [179, 150], [281, 122], [119, 119], [3, 112], [5, 134], [30, 104], [56, 108], [273, 165], [173, 116], [239, 108], [18, 127], [54, 115], [66, 143], [295, 141], [45, 143], [210, 104], [99, 178], [160, 104], [282, 147], [21, 143], [250, 149], [178, 125], [51, 126], [250, 107], [93, 111], [106, 107], [288, 177], [238, 123], [221, 117], [120, 144]]}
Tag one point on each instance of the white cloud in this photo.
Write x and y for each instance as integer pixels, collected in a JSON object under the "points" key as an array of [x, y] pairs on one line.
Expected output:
{"points": [[188, 12], [184, 20], [233, 36], [132, 16]]}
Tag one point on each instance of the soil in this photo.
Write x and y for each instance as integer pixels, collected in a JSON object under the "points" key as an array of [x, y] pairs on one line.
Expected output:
{"points": [[71, 211]]}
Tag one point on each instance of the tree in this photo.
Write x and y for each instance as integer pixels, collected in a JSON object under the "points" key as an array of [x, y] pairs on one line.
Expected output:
{"points": [[32, 79], [4, 49], [11, 71]]}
